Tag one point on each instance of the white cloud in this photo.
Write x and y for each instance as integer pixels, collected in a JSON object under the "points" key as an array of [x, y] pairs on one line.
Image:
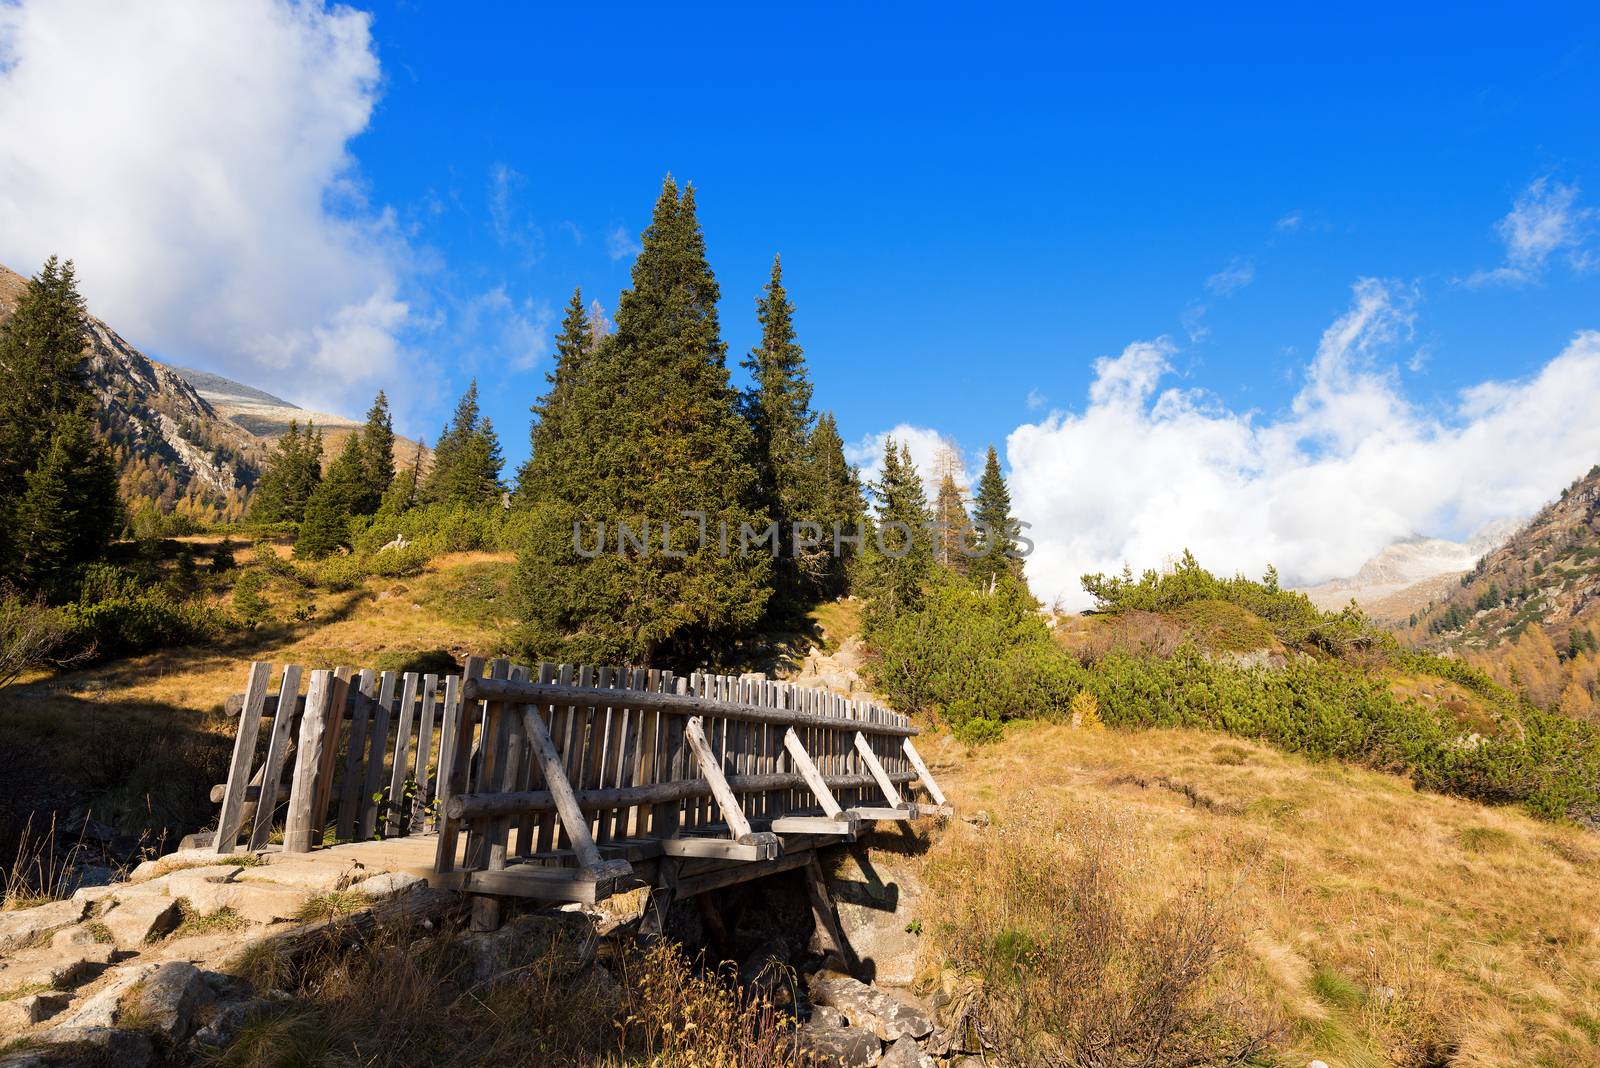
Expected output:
{"points": [[1036, 399], [501, 329], [1544, 220], [1144, 471], [620, 245], [927, 447], [192, 158], [1232, 278], [1291, 222]]}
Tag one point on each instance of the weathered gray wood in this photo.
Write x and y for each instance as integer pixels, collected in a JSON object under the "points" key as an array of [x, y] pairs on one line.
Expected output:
{"points": [[427, 781], [710, 768], [355, 768], [502, 750], [869, 813], [572, 818], [398, 818], [244, 751], [923, 773], [881, 777], [540, 884], [762, 845], [277, 753], [843, 825], [378, 751], [826, 919], [808, 771], [300, 833], [682, 704], [457, 724], [694, 885]]}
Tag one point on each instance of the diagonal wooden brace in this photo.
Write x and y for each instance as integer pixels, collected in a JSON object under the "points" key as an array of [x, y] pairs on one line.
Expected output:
{"points": [[572, 818], [711, 769], [808, 771], [926, 778], [870, 758]]}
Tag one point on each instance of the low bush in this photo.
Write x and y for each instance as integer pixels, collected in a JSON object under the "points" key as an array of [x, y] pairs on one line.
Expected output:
{"points": [[30, 631], [115, 615]]}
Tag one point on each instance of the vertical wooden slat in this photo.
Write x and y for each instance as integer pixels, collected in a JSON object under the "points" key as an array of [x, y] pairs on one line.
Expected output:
{"points": [[332, 732], [277, 753], [244, 751], [302, 830], [354, 778], [452, 760], [398, 818], [547, 821], [378, 751], [427, 782]]}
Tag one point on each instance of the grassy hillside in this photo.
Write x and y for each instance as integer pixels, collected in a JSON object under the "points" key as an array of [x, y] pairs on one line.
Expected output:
{"points": [[1341, 911]]}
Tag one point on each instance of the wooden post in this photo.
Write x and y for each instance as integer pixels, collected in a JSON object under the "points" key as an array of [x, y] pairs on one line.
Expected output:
{"points": [[244, 751], [809, 772], [402, 758], [826, 920], [457, 727], [727, 800], [870, 759], [922, 772], [378, 747], [277, 754], [299, 835], [355, 768]]}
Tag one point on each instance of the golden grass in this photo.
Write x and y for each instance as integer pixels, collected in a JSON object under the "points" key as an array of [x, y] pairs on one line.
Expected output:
{"points": [[1391, 926]]}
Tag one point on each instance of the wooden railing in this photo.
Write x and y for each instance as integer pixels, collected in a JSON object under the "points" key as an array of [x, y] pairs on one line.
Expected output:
{"points": [[572, 776]]}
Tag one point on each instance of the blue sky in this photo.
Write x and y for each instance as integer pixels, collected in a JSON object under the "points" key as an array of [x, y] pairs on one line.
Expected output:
{"points": [[1300, 250]]}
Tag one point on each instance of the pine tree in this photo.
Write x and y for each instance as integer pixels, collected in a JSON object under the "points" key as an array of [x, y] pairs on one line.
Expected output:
{"points": [[292, 472], [69, 509], [836, 505], [466, 459], [779, 410], [654, 431], [575, 344], [326, 526], [402, 494], [59, 504], [377, 458], [995, 526], [898, 556]]}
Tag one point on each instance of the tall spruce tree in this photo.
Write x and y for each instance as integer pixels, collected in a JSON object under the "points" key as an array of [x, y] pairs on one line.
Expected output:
{"points": [[466, 459], [292, 472], [996, 527], [835, 505], [377, 458], [779, 409], [899, 554], [549, 448], [58, 481], [654, 431]]}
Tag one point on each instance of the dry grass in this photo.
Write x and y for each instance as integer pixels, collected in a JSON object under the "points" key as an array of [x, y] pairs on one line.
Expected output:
{"points": [[1385, 926], [406, 998]]}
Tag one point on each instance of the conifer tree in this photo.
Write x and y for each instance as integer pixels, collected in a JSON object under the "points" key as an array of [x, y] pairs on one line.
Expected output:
{"points": [[996, 527], [656, 432], [466, 459], [326, 526], [69, 509], [779, 410], [898, 556], [836, 505], [377, 458], [402, 494], [292, 471], [951, 526], [575, 344], [59, 503]]}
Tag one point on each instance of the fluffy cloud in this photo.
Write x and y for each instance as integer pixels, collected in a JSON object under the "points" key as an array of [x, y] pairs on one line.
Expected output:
{"points": [[1544, 220], [929, 449], [1232, 278], [620, 244], [192, 157], [1144, 471]]}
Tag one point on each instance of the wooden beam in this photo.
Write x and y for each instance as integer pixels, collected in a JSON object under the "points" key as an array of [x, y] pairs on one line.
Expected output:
{"points": [[924, 775], [555, 777], [904, 812], [739, 873], [244, 751], [808, 771], [711, 769], [844, 825], [757, 846], [826, 919], [870, 759], [676, 703]]}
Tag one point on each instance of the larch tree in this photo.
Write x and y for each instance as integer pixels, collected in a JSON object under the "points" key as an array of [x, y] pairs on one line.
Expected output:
{"points": [[655, 442]]}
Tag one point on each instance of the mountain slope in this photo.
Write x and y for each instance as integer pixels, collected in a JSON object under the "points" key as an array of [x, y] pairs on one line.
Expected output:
{"points": [[1529, 612], [1407, 574], [172, 447]]}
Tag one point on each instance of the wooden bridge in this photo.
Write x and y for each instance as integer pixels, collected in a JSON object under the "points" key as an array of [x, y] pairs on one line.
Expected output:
{"points": [[565, 783]]}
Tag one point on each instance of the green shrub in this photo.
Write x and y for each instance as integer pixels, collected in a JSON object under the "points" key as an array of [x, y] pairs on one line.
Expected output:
{"points": [[115, 615], [249, 606]]}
